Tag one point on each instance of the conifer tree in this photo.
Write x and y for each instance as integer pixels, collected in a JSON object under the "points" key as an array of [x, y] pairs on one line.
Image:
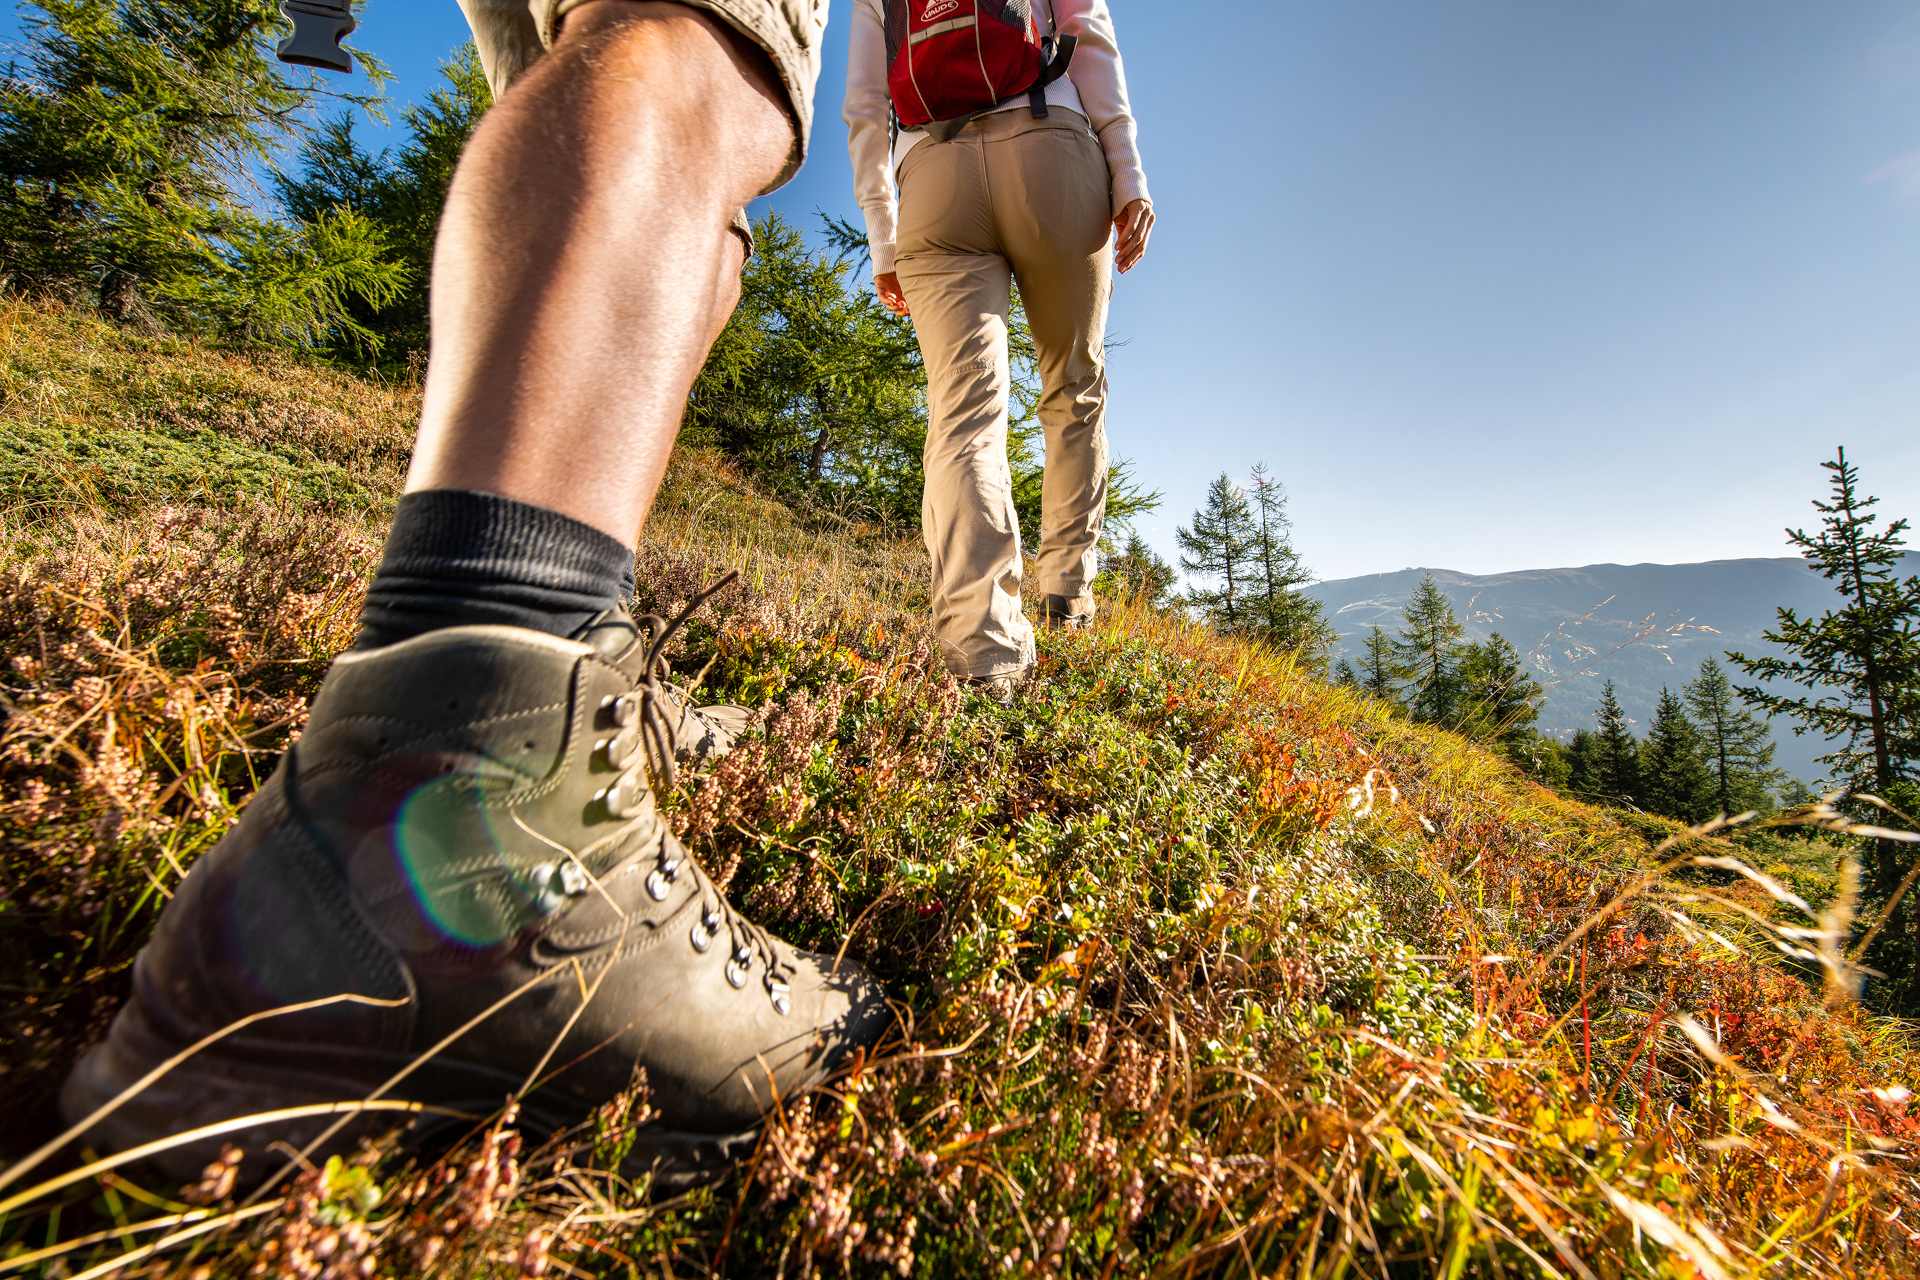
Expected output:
{"points": [[1380, 672], [1545, 758], [1137, 570], [1427, 652], [1498, 696], [129, 134], [1674, 780], [1223, 545], [1613, 755], [1286, 617], [1581, 755], [1860, 662], [1737, 745], [401, 191]]}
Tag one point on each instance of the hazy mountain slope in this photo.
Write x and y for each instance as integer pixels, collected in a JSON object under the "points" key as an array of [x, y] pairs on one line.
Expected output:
{"points": [[1573, 620]]}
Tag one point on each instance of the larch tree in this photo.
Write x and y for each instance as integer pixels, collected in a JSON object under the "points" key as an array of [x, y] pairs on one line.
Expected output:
{"points": [[1223, 546], [1860, 663], [131, 132], [1498, 695], [1736, 744], [400, 190], [1427, 651], [1284, 616], [1380, 672]]}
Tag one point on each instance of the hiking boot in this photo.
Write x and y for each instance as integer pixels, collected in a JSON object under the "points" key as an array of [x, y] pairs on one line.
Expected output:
{"points": [[1001, 688], [464, 845], [1058, 611], [701, 734]]}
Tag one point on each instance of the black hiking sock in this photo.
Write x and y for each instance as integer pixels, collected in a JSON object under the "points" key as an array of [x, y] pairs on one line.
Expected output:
{"points": [[456, 558]]}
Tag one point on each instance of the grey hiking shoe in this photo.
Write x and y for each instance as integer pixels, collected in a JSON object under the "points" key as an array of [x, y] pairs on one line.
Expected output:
{"points": [[464, 844], [1059, 611]]}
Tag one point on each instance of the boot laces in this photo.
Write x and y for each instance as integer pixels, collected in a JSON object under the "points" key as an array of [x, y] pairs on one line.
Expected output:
{"points": [[658, 726], [647, 722], [648, 741]]}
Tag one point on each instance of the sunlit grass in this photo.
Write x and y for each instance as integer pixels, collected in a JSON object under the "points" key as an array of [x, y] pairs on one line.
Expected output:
{"points": [[1207, 968]]}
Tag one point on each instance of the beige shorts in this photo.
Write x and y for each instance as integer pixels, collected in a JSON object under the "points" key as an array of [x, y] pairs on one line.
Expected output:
{"points": [[511, 34]]}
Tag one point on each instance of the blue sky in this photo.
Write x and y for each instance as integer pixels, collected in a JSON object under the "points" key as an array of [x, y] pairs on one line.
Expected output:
{"points": [[1496, 284]]}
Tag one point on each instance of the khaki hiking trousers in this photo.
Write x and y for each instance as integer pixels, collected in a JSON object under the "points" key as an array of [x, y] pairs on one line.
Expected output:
{"points": [[1010, 198]]}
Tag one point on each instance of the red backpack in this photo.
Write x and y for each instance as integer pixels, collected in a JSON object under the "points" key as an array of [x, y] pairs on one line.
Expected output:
{"points": [[951, 60]]}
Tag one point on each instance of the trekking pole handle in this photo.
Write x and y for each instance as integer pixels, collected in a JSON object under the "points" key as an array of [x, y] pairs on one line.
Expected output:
{"points": [[318, 29]]}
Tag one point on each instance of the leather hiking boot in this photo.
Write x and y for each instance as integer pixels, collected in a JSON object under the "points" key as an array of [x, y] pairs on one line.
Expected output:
{"points": [[1058, 611], [464, 843], [701, 734]]}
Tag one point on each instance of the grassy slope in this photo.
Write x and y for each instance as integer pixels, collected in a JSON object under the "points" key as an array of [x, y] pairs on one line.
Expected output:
{"points": [[1209, 969]]}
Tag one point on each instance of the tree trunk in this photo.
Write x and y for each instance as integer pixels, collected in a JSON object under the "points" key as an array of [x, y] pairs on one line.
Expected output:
{"points": [[822, 437], [119, 295]]}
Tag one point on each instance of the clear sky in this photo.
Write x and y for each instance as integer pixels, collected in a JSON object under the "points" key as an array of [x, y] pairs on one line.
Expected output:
{"points": [[1496, 284]]}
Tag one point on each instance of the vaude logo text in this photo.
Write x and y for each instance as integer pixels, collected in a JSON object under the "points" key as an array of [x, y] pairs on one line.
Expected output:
{"points": [[938, 9]]}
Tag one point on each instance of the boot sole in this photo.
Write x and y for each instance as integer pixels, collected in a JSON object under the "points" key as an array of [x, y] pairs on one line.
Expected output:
{"points": [[215, 1089]]}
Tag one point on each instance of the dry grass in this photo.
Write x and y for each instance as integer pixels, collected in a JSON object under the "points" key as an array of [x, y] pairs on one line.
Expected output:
{"points": [[93, 416], [1212, 970]]}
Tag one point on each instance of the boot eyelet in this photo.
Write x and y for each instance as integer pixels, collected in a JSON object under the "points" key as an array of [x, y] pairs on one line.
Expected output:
{"points": [[736, 976], [779, 994], [701, 938], [656, 885], [626, 796]]}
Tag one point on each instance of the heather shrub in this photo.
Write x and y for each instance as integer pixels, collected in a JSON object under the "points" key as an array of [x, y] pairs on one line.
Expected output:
{"points": [[154, 671], [1203, 966]]}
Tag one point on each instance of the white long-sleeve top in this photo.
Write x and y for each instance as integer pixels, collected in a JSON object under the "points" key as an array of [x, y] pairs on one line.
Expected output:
{"points": [[1095, 85]]}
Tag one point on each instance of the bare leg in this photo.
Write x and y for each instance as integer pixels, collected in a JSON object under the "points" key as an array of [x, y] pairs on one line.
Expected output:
{"points": [[584, 264]]}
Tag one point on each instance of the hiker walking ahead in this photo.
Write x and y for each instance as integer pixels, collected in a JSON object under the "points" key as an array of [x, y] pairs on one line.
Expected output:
{"points": [[1015, 161]]}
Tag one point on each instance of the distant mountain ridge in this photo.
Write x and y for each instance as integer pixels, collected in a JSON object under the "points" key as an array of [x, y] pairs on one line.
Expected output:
{"points": [[1569, 622]]}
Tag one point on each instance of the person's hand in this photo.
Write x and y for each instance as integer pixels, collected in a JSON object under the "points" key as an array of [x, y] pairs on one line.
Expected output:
{"points": [[888, 286], [1131, 229]]}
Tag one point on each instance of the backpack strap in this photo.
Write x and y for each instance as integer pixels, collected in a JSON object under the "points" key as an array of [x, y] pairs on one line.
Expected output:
{"points": [[1058, 52]]}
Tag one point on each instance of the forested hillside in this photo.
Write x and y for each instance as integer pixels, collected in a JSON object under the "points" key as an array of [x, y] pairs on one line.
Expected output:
{"points": [[1645, 627]]}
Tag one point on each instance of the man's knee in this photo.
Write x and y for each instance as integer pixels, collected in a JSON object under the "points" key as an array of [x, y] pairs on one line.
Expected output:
{"points": [[726, 66]]}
